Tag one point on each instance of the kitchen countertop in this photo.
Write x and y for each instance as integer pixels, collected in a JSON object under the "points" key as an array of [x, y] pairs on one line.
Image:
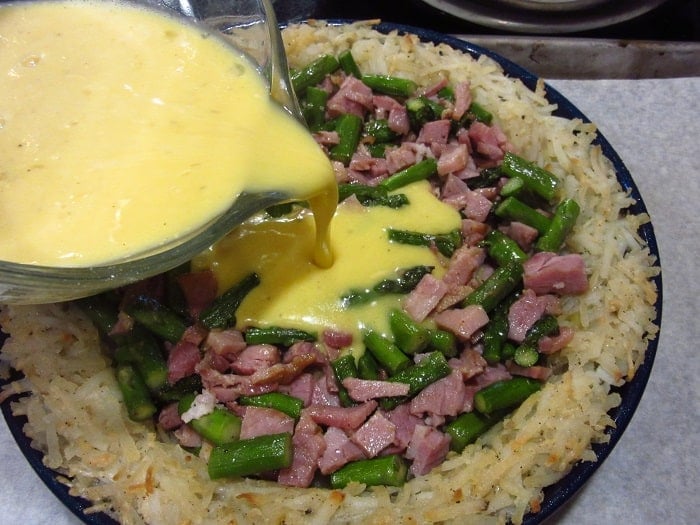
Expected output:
{"points": [[652, 475]]}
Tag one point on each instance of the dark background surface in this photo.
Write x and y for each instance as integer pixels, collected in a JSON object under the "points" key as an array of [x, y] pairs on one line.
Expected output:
{"points": [[674, 20]]}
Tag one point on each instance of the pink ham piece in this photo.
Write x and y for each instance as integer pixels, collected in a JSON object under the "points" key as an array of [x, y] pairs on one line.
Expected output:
{"points": [[309, 446], [553, 343], [228, 387], [322, 395], [283, 373], [463, 322], [463, 263], [547, 272], [339, 451], [261, 421], [489, 141], [327, 138], [435, 132], [169, 417], [424, 297], [182, 360], [353, 97], [225, 342], [433, 89], [199, 289], [394, 112], [541, 373], [405, 423], [346, 418], [444, 397], [124, 325], [469, 364], [374, 435], [302, 387], [473, 231], [365, 389], [523, 313], [399, 158], [463, 99], [521, 233], [255, 358], [337, 339], [428, 448], [187, 437], [452, 159]]}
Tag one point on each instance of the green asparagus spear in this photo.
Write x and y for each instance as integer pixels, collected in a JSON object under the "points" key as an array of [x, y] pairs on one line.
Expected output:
{"points": [[379, 130], [478, 112], [404, 283], [516, 210], [394, 86], [145, 355], [386, 353], [313, 107], [495, 335], [466, 428], [219, 426], [443, 341], [343, 367], [390, 470], [446, 243], [348, 127], [348, 64], [526, 355], [135, 393], [419, 171], [276, 335], [251, 456], [157, 318], [409, 336], [488, 178], [501, 283], [285, 403], [431, 368], [536, 179], [505, 394], [371, 195], [367, 366], [313, 73], [222, 314], [503, 249], [561, 224]]}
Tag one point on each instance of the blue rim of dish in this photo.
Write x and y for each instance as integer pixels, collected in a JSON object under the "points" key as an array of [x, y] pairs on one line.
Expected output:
{"points": [[556, 495]]}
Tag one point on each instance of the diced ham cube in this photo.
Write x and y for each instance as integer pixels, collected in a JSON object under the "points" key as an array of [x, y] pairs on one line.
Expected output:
{"points": [[365, 389], [309, 446], [254, 358], [444, 397], [182, 360], [374, 435], [348, 418], [424, 297], [339, 451], [547, 272], [428, 448], [261, 421], [435, 132], [463, 322], [524, 313]]}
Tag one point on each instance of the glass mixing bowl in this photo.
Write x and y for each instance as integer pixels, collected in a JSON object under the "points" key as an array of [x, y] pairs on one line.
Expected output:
{"points": [[251, 26]]}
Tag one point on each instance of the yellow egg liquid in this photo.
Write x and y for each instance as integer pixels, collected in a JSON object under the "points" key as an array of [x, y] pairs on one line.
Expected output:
{"points": [[123, 128], [296, 293]]}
